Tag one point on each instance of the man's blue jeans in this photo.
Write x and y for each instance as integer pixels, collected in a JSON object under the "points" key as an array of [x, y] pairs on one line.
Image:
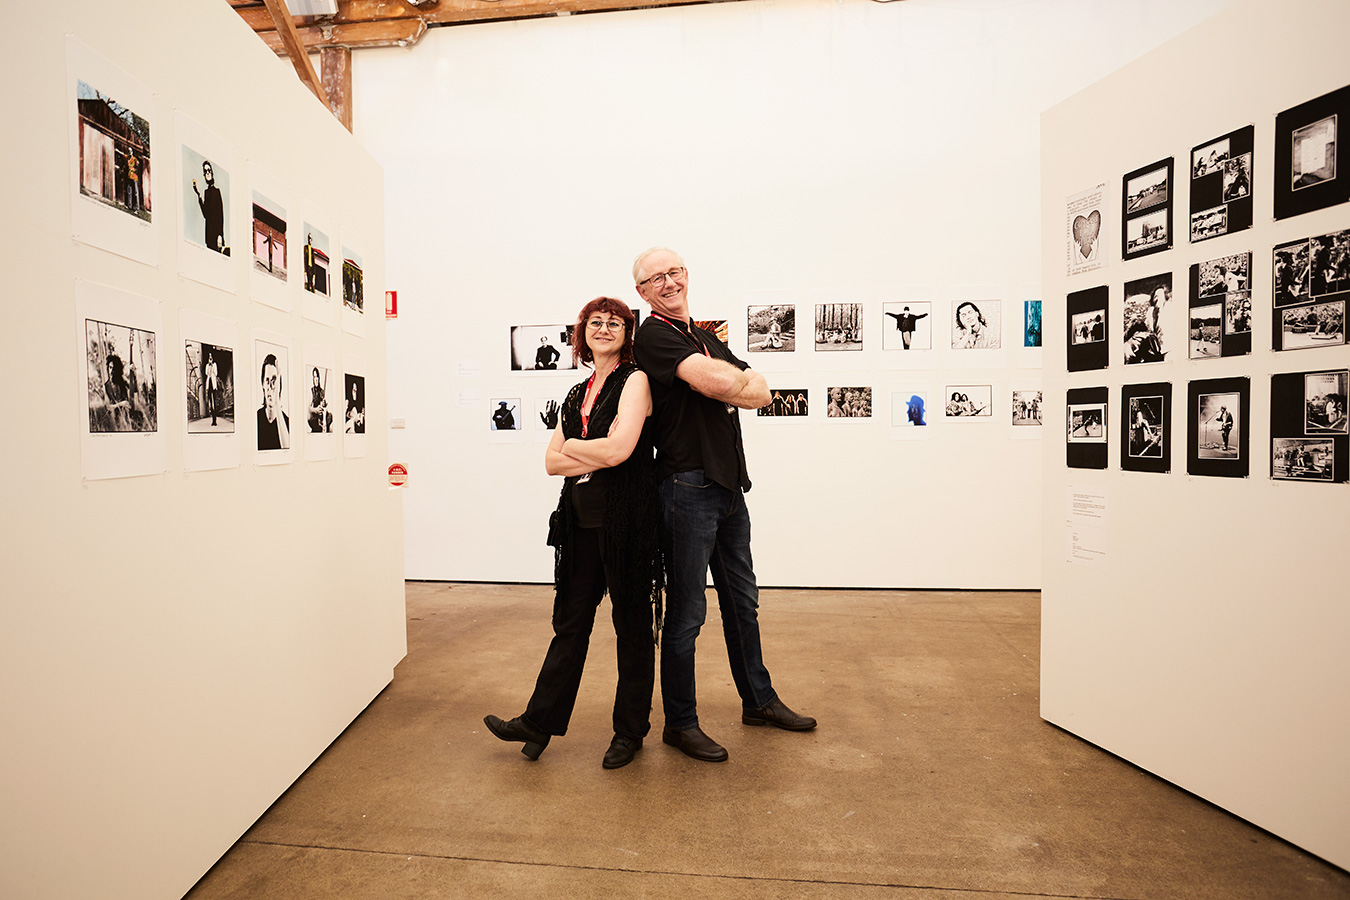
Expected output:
{"points": [[705, 525]]}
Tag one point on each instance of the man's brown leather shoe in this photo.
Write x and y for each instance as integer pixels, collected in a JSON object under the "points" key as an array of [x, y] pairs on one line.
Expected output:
{"points": [[777, 713], [693, 742]]}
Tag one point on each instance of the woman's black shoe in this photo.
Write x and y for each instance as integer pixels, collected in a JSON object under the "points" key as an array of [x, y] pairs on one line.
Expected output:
{"points": [[517, 730]]}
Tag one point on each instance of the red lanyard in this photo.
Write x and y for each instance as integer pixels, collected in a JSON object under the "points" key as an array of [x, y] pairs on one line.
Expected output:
{"points": [[689, 334], [585, 416]]}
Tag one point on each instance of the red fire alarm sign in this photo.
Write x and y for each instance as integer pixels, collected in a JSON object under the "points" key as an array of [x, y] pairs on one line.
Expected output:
{"points": [[398, 475], [391, 304]]}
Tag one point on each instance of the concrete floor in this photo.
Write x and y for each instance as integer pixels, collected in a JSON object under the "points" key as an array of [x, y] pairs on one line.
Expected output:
{"points": [[931, 776]]}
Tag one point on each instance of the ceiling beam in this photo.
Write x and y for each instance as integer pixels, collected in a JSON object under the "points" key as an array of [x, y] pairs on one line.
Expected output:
{"points": [[285, 30]]}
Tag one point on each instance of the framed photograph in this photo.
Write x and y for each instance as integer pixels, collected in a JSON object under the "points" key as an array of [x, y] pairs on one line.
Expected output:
{"points": [[354, 403], [275, 427], [1221, 185], [1308, 435], [112, 173], [839, 326], [1309, 171], [969, 401], [1085, 427], [317, 262], [849, 402], [977, 324], [1145, 427], [353, 281], [786, 402], [1083, 220], [269, 237], [1218, 427], [1220, 310], [771, 329], [1146, 302], [1290, 270], [912, 326], [121, 378], [1031, 323], [1146, 210], [1087, 318], [1329, 264], [541, 348], [1026, 408], [320, 401], [318, 246], [547, 412]]}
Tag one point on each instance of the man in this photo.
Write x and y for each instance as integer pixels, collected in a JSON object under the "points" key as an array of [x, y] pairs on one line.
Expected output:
{"points": [[212, 373], [547, 356], [274, 426], [697, 387], [1225, 420], [213, 209], [504, 419], [905, 323]]}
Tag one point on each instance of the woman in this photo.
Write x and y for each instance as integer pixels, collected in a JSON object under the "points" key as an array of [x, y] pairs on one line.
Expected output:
{"points": [[605, 534], [972, 331]]}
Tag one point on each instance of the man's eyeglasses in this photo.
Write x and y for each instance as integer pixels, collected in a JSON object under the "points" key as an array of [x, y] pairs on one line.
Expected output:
{"points": [[611, 325], [659, 279]]}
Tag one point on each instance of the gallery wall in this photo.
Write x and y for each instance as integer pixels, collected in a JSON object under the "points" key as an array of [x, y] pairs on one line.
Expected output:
{"points": [[1195, 624], [795, 152], [177, 646]]}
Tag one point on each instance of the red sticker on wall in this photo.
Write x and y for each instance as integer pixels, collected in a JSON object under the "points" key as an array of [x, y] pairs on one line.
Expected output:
{"points": [[398, 475]]}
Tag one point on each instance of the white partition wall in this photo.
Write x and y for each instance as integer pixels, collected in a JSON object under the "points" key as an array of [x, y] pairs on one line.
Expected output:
{"points": [[176, 647], [1207, 643], [796, 152]]}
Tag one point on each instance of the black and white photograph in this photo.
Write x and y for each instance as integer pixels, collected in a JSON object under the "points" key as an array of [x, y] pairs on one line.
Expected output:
{"points": [[1026, 407], [320, 403], [718, 327], [786, 402], [1146, 302], [353, 281], [209, 380], [1086, 423], [1224, 275], [1148, 189], [121, 378], [114, 148], [849, 402], [1329, 264], [317, 263], [1303, 459], [1316, 325], [1031, 323], [1147, 232], [1324, 402], [547, 411], [269, 237], [839, 326], [505, 414], [273, 415], [1220, 416], [969, 401], [541, 348], [1083, 309], [1083, 216], [354, 395], [907, 326], [206, 201], [1146, 426], [1206, 331], [1221, 185], [1209, 159], [1290, 270], [909, 409], [1309, 171], [771, 329], [1314, 154], [977, 325], [1237, 312], [1088, 327]]}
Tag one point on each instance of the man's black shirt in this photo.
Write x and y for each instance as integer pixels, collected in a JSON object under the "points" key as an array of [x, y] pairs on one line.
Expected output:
{"points": [[692, 431]]}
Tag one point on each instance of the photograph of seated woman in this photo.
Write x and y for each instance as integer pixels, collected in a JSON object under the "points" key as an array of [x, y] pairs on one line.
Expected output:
{"points": [[605, 537]]}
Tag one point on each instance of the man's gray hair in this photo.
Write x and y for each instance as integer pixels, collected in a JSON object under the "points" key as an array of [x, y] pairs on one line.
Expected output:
{"points": [[642, 257]]}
